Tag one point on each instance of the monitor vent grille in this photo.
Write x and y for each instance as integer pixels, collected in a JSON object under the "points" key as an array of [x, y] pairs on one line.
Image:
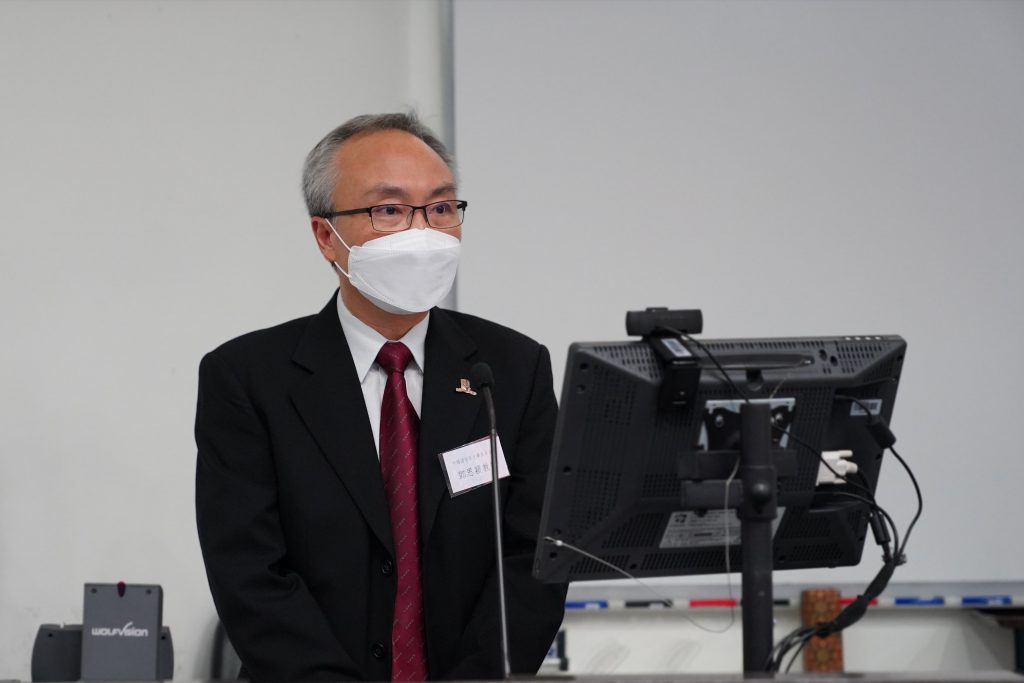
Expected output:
{"points": [[883, 371], [636, 357], [778, 345], [802, 526], [813, 553], [661, 485], [855, 356], [669, 441], [589, 566], [708, 559], [617, 409], [640, 531], [596, 492], [855, 520]]}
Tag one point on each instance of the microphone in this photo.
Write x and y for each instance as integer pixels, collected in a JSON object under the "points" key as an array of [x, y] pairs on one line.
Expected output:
{"points": [[482, 379]]}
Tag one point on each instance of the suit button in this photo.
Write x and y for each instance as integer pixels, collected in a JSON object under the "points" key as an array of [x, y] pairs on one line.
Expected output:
{"points": [[386, 567], [377, 651]]}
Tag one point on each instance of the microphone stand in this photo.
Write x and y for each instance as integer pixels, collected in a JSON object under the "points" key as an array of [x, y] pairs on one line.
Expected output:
{"points": [[485, 387]]}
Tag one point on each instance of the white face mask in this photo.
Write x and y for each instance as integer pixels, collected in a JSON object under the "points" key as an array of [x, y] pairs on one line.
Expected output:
{"points": [[403, 272]]}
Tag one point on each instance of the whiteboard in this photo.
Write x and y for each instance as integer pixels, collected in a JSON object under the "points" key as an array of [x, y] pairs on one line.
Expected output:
{"points": [[791, 168]]}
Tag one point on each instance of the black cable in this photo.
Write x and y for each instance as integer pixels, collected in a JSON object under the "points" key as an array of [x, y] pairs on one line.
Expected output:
{"points": [[800, 649], [711, 357], [735, 388], [787, 643], [732, 384], [863, 481], [855, 610], [900, 549], [850, 615], [920, 505], [875, 506], [816, 452]]}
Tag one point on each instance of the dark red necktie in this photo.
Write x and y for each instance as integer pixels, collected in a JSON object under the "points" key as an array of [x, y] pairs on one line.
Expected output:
{"points": [[399, 437]]}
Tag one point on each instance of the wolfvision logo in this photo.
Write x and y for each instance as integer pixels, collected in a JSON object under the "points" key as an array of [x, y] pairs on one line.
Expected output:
{"points": [[126, 631]]}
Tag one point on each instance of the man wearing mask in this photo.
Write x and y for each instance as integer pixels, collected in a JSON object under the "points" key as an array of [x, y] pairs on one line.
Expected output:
{"points": [[333, 545]]}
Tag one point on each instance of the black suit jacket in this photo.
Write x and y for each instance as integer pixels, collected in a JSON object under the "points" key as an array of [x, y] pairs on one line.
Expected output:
{"points": [[293, 518]]}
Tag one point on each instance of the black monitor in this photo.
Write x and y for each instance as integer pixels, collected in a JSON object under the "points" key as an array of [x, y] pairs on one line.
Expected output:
{"points": [[623, 459]]}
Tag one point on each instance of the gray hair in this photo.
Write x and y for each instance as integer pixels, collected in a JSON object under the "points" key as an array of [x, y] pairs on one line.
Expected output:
{"points": [[319, 175]]}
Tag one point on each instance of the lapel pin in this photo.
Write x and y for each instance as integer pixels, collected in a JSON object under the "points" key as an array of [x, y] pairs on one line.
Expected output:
{"points": [[464, 388]]}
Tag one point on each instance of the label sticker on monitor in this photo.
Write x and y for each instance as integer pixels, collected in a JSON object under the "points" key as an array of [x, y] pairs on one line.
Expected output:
{"points": [[687, 529], [873, 404]]}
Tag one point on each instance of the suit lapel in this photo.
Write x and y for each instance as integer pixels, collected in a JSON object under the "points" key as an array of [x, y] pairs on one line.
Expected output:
{"points": [[447, 416], [332, 407]]}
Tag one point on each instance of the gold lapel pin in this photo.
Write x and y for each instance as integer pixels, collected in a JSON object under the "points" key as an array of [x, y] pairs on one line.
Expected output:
{"points": [[464, 388]]}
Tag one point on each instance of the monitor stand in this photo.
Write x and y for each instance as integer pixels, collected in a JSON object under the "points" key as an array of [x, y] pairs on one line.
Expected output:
{"points": [[754, 496]]}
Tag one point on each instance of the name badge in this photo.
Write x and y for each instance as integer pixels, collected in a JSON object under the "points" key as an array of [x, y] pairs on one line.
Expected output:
{"points": [[469, 467]]}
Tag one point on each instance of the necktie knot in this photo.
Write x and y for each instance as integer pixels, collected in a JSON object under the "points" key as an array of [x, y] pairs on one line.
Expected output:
{"points": [[394, 357]]}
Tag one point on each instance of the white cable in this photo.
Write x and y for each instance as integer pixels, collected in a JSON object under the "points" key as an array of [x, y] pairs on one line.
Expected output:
{"points": [[662, 599], [728, 566]]}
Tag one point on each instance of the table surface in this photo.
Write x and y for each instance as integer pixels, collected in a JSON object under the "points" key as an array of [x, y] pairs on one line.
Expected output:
{"points": [[901, 677]]}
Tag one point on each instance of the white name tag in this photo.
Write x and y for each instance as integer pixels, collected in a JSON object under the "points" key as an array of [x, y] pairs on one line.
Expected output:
{"points": [[468, 467]]}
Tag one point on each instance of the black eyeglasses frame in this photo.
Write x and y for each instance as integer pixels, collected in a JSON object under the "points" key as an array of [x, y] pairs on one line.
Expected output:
{"points": [[460, 206]]}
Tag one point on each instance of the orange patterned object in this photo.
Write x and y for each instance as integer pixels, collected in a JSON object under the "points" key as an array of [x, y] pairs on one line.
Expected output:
{"points": [[821, 654]]}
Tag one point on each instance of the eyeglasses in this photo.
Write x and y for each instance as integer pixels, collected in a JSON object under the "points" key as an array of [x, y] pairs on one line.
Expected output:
{"points": [[397, 217]]}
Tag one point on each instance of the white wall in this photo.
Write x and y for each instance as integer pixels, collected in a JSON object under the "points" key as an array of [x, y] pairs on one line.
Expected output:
{"points": [[150, 156], [792, 168]]}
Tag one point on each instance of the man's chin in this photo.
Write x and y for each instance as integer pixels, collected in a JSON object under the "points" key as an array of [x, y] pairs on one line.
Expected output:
{"points": [[363, 307]]}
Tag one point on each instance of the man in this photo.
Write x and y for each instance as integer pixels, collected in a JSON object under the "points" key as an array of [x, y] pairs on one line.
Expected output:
{"points": [[333, 545]]}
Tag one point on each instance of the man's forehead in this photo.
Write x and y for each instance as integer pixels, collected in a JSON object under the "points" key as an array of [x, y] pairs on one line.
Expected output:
{"points": [[386, 145], [442, 189], [378, 160]]}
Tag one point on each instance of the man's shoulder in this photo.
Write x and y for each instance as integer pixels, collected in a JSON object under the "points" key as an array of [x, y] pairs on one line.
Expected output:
{"points": [[487, 332], [259, 343]]}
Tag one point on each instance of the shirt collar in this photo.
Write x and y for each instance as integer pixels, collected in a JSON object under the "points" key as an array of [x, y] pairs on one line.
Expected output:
{"points": [[364, 342]]}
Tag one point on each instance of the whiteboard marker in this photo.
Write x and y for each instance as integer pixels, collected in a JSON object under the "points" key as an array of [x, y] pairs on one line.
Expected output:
{"points": [[586, 604], [649, 604], [920, 601], [714, 602], [986, 600]]}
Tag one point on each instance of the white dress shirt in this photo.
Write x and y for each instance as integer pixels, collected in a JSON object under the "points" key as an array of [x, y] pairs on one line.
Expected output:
{"points": [[364, 343]]}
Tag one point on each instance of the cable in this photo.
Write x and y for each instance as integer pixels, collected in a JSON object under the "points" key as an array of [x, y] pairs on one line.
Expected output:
{"points": [[800, 649], [781, 382], [728, 549], [890, 442], [774, 662], [711, 357], [851, 613], [816, 452], [920, 503], [855, 610], [875, 507], [746, 398], [665, 601]]}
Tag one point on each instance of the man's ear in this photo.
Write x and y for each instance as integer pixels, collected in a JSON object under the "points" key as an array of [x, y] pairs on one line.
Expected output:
{"points": [[322, 233]]}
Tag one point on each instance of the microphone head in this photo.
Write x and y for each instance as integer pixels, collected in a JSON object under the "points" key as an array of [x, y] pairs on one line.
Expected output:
{"points": [[480, 376]]}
